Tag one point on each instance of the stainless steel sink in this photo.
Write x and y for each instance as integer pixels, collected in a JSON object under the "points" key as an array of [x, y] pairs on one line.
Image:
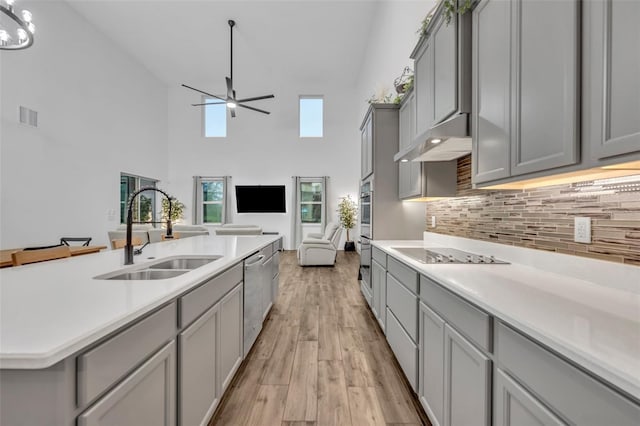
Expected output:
{"points": [[184, 263], [161, 269], [148, 274]]}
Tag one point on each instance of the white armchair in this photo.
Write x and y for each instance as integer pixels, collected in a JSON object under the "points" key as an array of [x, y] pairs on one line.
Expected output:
{"points": [[320, 249]]}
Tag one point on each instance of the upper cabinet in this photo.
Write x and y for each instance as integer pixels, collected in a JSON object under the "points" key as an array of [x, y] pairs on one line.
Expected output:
{"points": [[560, 99], [526, 115], [409, 173], [366, 147], [611, 89]]}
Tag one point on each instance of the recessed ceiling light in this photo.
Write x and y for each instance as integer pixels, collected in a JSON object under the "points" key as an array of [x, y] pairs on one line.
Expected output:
{"points": [[404, 160], [436, 140]]}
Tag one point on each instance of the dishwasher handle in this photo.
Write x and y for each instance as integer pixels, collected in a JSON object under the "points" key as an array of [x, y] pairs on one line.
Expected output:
{"points": [[253, 264]]}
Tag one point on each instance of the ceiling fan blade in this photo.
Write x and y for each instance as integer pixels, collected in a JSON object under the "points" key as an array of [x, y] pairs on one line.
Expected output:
{"points": [[254, 109], [204, 93], [233, 112], [210, 103], [234, 95], [257, 98], [229, 88]]}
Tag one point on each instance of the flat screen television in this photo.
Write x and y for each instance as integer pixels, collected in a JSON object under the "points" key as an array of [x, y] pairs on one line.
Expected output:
{"points": [[260, 199]]}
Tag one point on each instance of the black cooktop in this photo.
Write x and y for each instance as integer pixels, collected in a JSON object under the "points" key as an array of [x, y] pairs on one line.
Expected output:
{"points": [[447, 255]]}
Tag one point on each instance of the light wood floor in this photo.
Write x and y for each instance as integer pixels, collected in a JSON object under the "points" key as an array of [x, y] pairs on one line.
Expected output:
{"points": [[321, 358]]}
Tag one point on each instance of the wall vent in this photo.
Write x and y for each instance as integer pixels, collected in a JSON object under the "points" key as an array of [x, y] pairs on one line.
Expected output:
{"points": [[28, 117]]}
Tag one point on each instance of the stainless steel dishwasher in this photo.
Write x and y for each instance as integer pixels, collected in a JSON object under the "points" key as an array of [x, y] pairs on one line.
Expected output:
{"points": [[253, 283]]}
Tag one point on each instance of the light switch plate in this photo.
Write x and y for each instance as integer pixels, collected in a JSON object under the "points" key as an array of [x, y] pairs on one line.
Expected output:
{"points": [[582, 230]]}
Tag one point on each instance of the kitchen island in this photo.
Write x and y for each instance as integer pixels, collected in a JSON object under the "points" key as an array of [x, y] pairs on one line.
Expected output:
{"points": [[72, 347], [556, 334]]}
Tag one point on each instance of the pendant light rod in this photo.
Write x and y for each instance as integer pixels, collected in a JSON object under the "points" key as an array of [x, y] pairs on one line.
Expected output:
{"points": [[231, 25]]}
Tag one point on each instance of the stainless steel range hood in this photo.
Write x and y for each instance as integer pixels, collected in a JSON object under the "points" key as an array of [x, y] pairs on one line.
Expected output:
{"points": [[443, 142]]}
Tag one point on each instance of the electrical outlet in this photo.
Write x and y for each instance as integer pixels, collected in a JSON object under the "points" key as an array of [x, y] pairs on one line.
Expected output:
{"points": [[433, 221], [582, 230]]}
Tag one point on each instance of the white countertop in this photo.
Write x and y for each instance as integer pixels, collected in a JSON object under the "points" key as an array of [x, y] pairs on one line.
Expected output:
{"points": [[51, 310], [594, 324]]}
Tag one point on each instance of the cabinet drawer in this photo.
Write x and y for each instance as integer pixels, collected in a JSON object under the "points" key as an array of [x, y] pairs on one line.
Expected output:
{"points": [[405, 275], [194, 303], [267, 251], [277, 246], [573, 394], [107, 363], [379, 256], [146, 397], [467, 319], [405, 350], [404, 306], [275, 265]]}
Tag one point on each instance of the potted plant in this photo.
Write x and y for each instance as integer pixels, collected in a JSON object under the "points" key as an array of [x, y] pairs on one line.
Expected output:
{"points": [[347, 211], [177, 210]]}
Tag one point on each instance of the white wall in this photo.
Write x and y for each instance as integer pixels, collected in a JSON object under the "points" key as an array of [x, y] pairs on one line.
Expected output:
{"points": [[100, 113], [266, 150]]}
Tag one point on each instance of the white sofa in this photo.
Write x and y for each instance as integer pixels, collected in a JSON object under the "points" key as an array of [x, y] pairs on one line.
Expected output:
{"points": [[320, 249], [139, 230], [234, 229], [181, 231]]}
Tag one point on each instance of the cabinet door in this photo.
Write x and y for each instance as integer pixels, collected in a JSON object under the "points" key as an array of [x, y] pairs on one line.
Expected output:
{"points": [[467, 382], [514, 406], [414, 186], [445, 53], [492, 91], [198, 364], [404, 176], [431, 364], [267, 292], [545, 85], [379, 283], [367, 147], [424, 88], [613, 63], [230, 332], [145, 397]]}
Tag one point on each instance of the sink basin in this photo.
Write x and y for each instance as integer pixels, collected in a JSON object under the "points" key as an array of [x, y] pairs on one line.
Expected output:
{"points": [[184, 263], [148, 274], [161, 269]]}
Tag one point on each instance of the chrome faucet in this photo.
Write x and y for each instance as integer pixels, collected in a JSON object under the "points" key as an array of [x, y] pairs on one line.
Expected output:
{"points": [[128, 248]]}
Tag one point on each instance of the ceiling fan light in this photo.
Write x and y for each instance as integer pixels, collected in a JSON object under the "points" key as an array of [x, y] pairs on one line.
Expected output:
{"points": [[231, 104]]}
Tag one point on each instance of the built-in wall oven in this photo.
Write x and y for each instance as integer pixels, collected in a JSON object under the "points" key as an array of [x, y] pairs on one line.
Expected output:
{"points": [[366, 200]]}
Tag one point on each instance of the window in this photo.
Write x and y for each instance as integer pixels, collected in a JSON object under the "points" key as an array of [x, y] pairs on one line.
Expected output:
{"points": [[311, 116], [210, 200], [144, 206], [215, 119], [311, 201]]}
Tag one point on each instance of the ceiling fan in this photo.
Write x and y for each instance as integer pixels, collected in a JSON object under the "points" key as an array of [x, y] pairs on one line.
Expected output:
{"points": [[231, 100]]}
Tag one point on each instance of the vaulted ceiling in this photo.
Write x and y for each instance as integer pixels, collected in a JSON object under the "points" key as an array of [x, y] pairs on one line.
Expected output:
{"points": [[304, 41]]}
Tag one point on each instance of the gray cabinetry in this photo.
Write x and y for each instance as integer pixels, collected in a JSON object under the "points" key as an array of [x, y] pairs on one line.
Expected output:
{"points": [[467, 382], [379, 284], [445, 63], [491, 117], [431, 364], [539, 112], [145, 397], [424, 87], [230, 336], [575, 396], [198, 367], [409, 173], [404, 349], [267, 287], [612, 64], [515, 406], [366, 148]]}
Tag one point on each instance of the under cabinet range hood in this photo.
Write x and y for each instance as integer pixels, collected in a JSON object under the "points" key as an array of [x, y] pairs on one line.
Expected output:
{"points": [[445, 141], [442, 91]]}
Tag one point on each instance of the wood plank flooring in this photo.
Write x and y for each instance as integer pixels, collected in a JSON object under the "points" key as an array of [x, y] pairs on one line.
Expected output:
{"points": [[321, 358]]}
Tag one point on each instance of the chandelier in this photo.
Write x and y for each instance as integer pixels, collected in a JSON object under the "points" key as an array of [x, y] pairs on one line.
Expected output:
{"points": [[16, 31]]}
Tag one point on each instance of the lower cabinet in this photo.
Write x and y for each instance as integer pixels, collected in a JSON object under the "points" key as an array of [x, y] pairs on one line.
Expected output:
{"points": [[514, 406], [379, 283], [231, 328], [198, 367], [431, 364], [267, 291], [210, 353], [145, 397], [467, 382]]}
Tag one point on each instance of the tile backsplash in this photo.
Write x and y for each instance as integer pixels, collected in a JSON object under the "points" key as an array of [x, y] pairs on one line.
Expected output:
{"points": [[542, 218]]}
